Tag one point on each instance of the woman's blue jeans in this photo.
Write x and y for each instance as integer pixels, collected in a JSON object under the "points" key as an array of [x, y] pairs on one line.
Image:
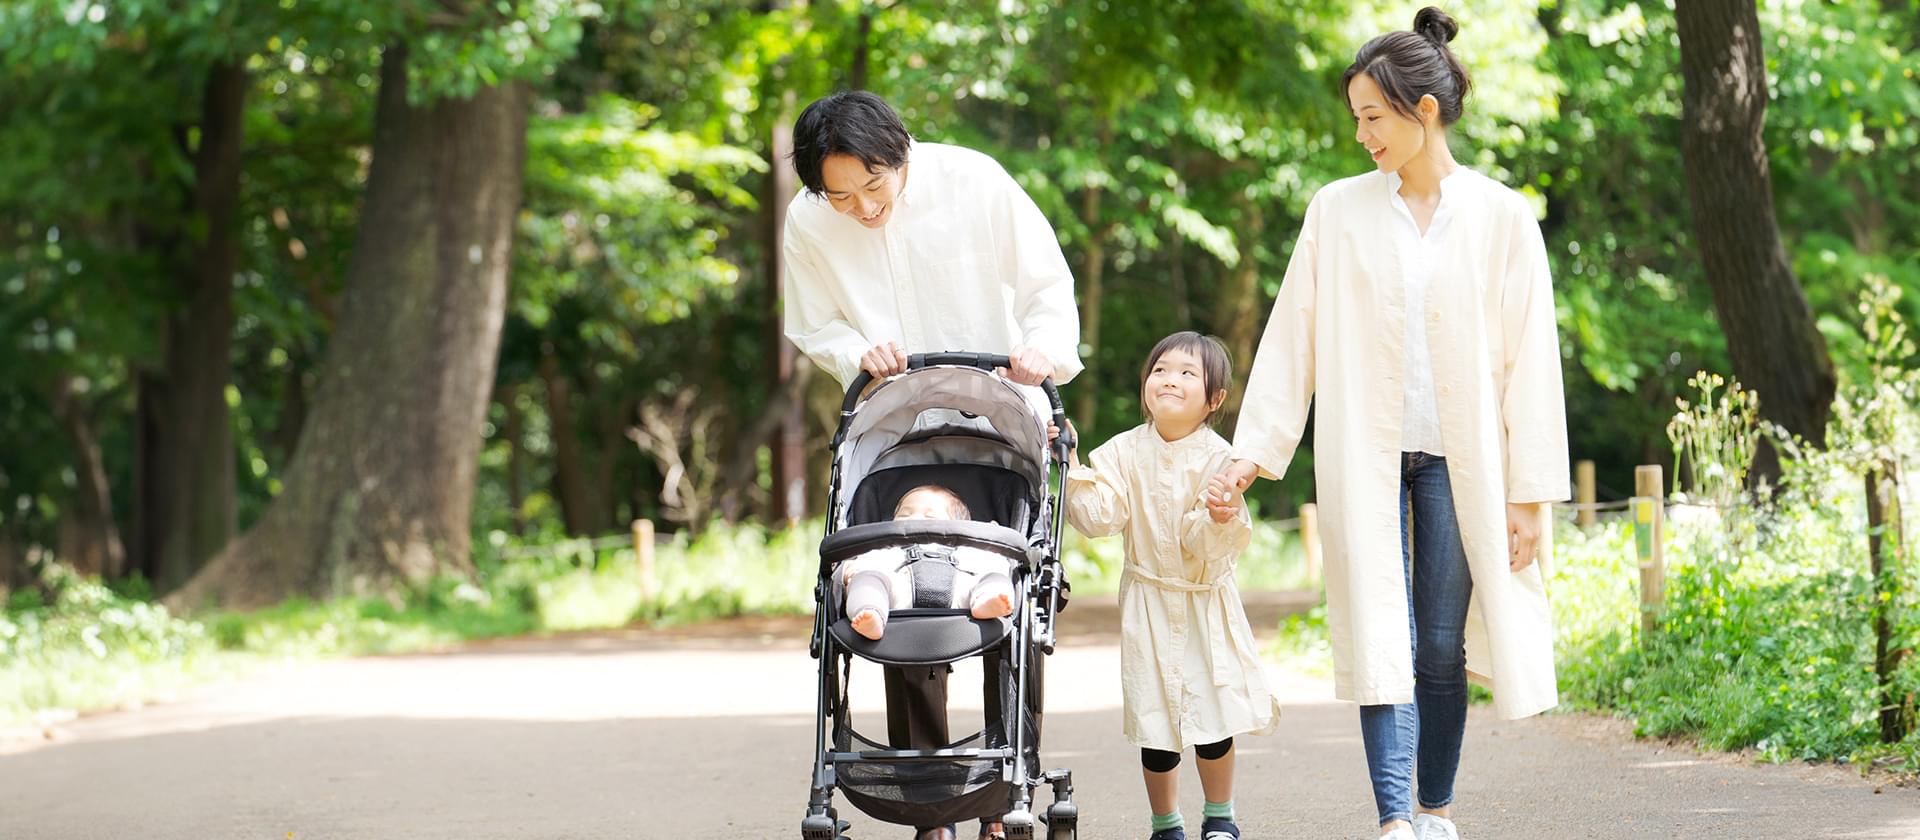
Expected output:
{"points": [[1438, 586]]}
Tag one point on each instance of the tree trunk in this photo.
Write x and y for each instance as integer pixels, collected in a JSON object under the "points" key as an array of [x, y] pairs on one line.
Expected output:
{"points": [[285, 436], [89, 540], [1093, 262], [610, 435], [516, 459], [1769, 327], [1886, 557], [13, 573], [183, 498], [569, 466], [380, 490], [862, 41], [789, 430], [1240, 310]]}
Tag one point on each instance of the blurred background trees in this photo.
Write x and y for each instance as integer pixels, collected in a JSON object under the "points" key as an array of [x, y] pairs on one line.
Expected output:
{"points": [[319, 292]]}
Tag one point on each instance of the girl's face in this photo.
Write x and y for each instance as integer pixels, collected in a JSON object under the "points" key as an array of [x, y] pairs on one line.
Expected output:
{"points": [[1392, 138], [866, 196], [1176, 390]]}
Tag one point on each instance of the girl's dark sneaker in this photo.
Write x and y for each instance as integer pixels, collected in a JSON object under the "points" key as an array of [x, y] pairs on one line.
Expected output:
{"points": [[1169, 834], [1218, 828]]}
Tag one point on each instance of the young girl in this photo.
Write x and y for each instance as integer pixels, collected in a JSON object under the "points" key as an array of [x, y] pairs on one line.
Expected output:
{"points": [[1188, 668]]}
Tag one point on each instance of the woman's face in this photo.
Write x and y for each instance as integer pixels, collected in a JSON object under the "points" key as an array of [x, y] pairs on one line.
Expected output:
{"points": [[866, 196], [1392, 138]]}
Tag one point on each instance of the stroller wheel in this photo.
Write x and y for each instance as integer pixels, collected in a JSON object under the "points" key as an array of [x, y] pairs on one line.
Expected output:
{"points": [[1062, 821], [1019, 825], [823, 827]]}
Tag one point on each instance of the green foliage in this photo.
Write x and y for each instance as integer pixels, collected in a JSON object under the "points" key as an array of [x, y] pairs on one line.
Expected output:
{"points": [[1715, 440], [1302, 644], [1767, 638], [1770, 650], [85, 643]]}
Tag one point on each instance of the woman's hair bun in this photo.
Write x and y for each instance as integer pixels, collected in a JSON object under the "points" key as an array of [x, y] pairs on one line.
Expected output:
{"points": [[1435, 25]]}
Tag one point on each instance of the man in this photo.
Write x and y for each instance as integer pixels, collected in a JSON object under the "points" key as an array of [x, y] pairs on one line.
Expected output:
{"points": [[898, 247]]}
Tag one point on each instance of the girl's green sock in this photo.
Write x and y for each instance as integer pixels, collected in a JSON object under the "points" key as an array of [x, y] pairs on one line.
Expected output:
{"points": [[1220, 810], [1166, 821]]}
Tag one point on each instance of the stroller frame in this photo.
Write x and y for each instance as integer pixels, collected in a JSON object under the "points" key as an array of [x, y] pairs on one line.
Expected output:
{"points": [[1039, 581]]}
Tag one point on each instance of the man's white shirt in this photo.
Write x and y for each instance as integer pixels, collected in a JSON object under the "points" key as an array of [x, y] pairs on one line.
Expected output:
{"points": [[967, 262]]}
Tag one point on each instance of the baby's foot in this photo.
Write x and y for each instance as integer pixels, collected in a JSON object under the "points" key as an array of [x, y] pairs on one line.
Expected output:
{"points": [[867, 623], [993, 606]]}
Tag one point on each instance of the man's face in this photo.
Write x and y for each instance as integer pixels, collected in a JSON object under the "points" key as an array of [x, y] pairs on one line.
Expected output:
{"points": [[866, 196]]}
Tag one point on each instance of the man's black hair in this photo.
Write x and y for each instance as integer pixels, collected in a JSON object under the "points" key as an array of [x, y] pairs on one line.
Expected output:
{"points": [[852, 122]]}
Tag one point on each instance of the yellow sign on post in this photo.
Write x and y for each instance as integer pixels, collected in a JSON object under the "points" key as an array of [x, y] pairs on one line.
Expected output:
{"points": [[1649, 515]]}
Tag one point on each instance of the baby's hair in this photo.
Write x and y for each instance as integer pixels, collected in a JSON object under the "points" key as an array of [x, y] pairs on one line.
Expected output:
{"points": [[954, 505], [1216, 366]]}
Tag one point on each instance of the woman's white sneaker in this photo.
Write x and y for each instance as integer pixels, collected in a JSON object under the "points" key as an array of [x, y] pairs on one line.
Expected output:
{"points": [[1401, 833], [1430, 827]]}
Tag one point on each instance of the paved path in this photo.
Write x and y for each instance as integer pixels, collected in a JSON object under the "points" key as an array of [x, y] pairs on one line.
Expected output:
{"points": [[707, 733]]}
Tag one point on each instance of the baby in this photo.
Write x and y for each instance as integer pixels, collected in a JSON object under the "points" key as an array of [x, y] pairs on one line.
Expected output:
{"points": [[879, 581]]}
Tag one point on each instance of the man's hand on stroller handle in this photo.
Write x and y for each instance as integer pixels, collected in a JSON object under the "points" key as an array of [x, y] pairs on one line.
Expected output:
{"points": [[1027, 365], [1030, 367], [884, 360]]}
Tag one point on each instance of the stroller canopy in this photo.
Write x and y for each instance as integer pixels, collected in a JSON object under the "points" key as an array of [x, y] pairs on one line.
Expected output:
{"points": [[979, 429]]}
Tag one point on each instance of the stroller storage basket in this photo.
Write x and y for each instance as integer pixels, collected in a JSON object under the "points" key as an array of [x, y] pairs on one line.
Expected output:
{"points": [[924, 791]]}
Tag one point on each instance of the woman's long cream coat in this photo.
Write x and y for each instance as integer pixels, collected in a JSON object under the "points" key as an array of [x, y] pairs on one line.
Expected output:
{"points": [[1335, 341]]}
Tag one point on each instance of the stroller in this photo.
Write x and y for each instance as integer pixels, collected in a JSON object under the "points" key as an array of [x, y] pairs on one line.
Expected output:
{"points": [[948, 419]]}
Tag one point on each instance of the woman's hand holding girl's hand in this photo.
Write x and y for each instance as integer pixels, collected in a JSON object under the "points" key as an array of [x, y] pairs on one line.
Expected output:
{"points": [[1240, 474], [1223, 502], [1523, 534]]}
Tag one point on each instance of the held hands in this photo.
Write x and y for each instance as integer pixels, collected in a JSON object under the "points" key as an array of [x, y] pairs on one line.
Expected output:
{"points": [[1523, 535], [1239, 474], [1223, 501], [884, 360]]}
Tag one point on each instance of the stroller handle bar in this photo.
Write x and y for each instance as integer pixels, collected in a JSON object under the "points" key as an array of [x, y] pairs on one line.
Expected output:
{"points": [[984, 361]]}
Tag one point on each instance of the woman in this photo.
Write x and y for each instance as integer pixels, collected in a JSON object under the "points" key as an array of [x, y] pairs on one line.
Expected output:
{"points": [[1417, 312]]}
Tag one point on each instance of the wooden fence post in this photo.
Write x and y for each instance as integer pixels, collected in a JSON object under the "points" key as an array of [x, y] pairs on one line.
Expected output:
{"points": [[1649, 536], [1310, 539], [1886, 558], [643, 554], [1583, 493]]}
